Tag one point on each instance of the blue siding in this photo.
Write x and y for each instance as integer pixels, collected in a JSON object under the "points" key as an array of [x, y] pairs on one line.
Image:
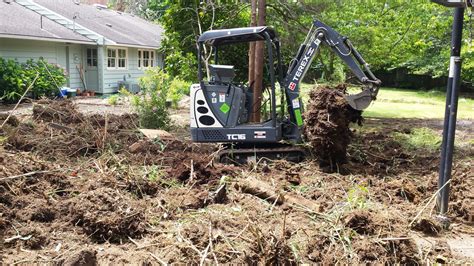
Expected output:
{"points": [[111, 77], [53, 52]]}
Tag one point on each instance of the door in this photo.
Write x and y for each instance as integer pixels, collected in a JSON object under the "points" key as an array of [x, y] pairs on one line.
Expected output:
{"points": [[91, 70]]}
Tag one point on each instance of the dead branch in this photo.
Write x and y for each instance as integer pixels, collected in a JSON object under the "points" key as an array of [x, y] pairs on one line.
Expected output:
{"points": [[24, 175], [265, 191]]}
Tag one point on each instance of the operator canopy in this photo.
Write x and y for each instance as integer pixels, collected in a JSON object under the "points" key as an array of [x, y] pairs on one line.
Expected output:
{"points": [[237, 35]]}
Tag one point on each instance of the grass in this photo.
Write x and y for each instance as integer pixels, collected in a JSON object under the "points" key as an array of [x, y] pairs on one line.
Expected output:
{"points": [[419, 139], [398, 103], [404, 103]]}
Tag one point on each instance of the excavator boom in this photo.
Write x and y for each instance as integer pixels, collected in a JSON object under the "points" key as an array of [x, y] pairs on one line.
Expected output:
{"points": [[320, 34]]}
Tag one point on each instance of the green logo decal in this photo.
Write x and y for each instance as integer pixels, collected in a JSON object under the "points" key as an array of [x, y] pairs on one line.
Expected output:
{"points": [[225, 108], [299, 117]]}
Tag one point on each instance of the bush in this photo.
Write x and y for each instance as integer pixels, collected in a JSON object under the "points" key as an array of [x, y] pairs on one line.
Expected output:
{"points": [[15, 78], [183, 66], [178, 88], [150, 104], [51, 76], [114, 99]]}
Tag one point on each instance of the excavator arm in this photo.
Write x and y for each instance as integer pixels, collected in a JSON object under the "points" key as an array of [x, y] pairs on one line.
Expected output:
{"points": [[321, 33]]}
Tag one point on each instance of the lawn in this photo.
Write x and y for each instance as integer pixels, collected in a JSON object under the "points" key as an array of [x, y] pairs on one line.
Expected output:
{"points": [[398, 103], [404, 103]]}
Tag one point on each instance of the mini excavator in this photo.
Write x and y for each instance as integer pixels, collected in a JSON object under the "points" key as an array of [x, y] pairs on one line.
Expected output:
{"points": [[220, 108]]}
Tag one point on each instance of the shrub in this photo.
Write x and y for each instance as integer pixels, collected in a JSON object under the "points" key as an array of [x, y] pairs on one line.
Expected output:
{"points": [[15, 78], [51, 76], [183, 66], [114, 99], [178, 88], [150, 104]]}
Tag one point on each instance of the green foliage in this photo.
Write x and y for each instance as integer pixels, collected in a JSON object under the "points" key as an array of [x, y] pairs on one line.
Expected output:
{"points": [[185, 20], [419, 138], [150, 104], [155, 174], [181, 66], [113, 99], [15, 78], [178, 88], [389, 34], [50, 77], [357, 197]]}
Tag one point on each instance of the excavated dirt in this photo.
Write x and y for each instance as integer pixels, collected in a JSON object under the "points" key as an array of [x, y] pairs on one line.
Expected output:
{"points": [[127, 200], [327, 121]]}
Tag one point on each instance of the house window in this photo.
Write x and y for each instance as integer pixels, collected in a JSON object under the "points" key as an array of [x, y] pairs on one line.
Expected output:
{"points": [[91, 57], [146, 58], [111, 58], [117, 58]]}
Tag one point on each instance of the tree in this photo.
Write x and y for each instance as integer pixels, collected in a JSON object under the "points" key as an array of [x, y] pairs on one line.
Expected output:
{"points": [[184, 22], [258, 66]]}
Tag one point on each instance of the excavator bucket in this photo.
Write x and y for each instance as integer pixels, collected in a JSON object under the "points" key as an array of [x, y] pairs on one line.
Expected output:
{"points": [[360, 101]]}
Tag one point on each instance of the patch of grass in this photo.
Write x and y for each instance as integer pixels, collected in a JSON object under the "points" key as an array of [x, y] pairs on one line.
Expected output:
{"points": [[401, 103], [405, 103], [357, 197], [419, 138]]}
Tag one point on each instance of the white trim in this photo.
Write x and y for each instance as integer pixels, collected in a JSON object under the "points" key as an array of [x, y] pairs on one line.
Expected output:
{"points": [[134, 46], [116, 49], [24, 37], [140, 59]]}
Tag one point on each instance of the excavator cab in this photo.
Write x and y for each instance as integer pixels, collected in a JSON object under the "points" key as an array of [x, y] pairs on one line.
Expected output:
{"points": [[220, 107]]}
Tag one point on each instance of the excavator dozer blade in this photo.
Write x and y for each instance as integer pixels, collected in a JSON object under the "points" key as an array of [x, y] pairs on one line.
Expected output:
{"points": [[360, 101]]}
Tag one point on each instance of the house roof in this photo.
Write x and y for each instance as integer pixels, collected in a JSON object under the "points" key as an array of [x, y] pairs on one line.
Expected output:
{"points": [[19, 22], [118, 27]]}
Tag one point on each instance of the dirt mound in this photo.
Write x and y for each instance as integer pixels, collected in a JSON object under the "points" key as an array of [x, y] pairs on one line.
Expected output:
{"points": [[59, 130], [12, 120], [56, 111], [82, 257], [271, 249], [168, 202], [328, 117], [361, 221], [428, 226], [107, 215]]}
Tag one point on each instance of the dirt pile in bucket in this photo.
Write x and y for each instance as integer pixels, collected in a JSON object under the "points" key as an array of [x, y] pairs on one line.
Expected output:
{"points": [[327, 121]]}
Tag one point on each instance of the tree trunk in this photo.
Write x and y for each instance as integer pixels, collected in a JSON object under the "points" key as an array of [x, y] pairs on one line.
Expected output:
{"points": [[259, 63], [253, 23]]}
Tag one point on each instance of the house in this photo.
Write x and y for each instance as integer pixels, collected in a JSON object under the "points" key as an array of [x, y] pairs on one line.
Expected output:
{"points": [[98, 47]]}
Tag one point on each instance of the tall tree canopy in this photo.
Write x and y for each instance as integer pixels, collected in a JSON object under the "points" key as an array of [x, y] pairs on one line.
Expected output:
{"points": [[390, 34]]}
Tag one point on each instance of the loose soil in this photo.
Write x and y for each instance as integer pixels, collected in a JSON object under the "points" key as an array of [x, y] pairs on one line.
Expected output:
{"points": [[82, 189], [327, 123]]}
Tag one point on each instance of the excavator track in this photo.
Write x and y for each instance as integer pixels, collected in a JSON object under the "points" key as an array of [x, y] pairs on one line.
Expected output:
{"points": [[236, 155]]}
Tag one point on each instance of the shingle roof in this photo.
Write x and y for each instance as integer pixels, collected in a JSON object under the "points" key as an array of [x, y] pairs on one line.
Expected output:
{"points": [[16, 20], [121, 28]]}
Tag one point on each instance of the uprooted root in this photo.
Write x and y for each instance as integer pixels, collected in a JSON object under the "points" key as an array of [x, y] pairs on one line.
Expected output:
{"points": [[328, 117]]}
